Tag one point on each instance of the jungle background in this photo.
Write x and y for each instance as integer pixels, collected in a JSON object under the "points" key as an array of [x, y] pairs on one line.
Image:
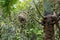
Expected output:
{"points": [[10, 26]]}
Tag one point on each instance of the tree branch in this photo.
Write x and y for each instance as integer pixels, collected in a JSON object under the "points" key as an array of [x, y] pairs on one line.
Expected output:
{"points": [[37, 9]]}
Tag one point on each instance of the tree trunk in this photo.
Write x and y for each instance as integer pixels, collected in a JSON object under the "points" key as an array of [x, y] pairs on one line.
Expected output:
{"points": [[47, 22], [48, 28]]}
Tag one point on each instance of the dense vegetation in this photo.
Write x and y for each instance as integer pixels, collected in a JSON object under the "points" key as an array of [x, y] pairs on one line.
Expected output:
{"points": [[10, 26]]}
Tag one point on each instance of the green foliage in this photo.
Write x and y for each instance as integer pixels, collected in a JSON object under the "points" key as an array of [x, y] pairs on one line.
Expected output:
{"points": [[6, 7], [12, 29]]}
